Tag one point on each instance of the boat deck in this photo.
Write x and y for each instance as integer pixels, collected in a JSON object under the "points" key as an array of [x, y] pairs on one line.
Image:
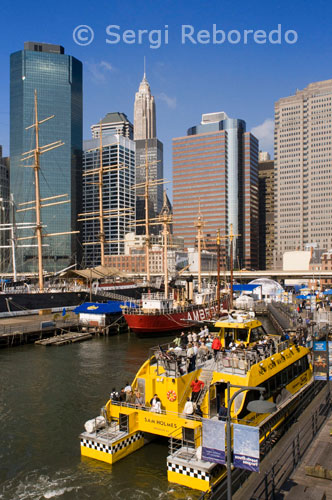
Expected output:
{"points": [[173, 362]]}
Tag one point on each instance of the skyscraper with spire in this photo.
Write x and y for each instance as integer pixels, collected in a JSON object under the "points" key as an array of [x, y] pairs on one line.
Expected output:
{"points": [[148, 148], [144, 112]]}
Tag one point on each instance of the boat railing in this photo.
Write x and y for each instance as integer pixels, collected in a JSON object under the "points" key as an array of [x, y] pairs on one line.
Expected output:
{"points": [[185, 443], [147, 407], [154, 311], [174, 361]]}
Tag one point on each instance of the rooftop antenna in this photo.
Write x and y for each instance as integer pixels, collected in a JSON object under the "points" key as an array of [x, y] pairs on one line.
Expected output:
{"points": [[144, 76]]}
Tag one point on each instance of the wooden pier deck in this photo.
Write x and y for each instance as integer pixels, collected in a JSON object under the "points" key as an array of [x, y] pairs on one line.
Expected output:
{"points": [[65, 338]]}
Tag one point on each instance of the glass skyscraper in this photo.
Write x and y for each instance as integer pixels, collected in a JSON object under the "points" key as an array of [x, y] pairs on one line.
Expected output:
{"points": [[118, 157], [57, 78]]}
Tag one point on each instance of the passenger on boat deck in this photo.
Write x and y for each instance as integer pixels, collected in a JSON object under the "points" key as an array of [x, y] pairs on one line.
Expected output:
{"points": [[195, 337], [198, 412], [122, 395], [114, 396], [177, 341], [188, 408], [191, 358], [139, 401], [196, 387], [222, 413], [216, 345], [183, 340], [127, 390], [131, 398], [155, 404], [201, 333], [203, 351], [208, 342]]}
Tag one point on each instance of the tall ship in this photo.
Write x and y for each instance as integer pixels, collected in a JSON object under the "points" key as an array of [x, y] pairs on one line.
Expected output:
{"points": [[251, 360]]}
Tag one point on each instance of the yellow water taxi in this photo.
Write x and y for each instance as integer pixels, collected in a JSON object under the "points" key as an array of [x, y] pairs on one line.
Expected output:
{"points": [[249, 357]]}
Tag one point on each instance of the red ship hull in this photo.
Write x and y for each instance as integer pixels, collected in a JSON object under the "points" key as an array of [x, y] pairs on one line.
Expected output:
{"points": [[144, 323]]}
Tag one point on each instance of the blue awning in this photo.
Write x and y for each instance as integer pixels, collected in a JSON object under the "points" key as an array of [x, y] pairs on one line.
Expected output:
{"points": [[328, 292], [304, 297], [245, 288], [110, 307]]}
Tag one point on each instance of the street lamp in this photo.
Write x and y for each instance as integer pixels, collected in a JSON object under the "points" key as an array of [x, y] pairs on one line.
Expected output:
{"points": [[259, 406]]}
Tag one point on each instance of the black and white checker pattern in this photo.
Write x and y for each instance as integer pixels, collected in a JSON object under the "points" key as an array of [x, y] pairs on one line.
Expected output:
{"points": [[127, 442], [188, 471], [95, 445], [88, 443]]}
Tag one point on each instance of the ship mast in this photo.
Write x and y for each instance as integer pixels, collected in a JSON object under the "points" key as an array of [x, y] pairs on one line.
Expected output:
{"points": [[218, 270], [165, 218], [231, 237], [36, 153], [199, 224], [100, 186], [146, 198], [146, 222]]}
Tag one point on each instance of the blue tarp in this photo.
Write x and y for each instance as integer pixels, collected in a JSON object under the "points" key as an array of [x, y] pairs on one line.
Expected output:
{"points": [[328, 292], [304, 297], [245, 288], [110, 307]]}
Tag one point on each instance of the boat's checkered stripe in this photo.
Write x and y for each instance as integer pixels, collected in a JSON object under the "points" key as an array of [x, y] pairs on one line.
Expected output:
{"points": [[188, 471], [89, 443], [127, 442]]}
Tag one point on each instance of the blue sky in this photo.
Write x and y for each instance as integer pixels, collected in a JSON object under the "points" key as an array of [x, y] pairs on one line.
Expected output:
{"points": [[186, 79]]}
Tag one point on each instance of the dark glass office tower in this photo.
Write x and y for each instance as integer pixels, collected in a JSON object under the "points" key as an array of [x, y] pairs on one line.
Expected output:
{"points": [[57, 78]]}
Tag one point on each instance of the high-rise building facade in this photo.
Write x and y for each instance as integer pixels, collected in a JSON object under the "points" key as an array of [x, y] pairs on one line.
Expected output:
{"points": [[303, 169], [5, 209], [148, 150], [116, 123], [266, 211], [118, 156], [151, 151], [57, 79], [215, 171]]}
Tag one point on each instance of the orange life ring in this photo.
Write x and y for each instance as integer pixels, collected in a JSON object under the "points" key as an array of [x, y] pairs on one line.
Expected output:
{"points": [[171, 396]]}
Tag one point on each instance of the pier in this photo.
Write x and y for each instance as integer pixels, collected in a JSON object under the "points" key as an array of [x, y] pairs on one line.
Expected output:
{"points": [[65, 338], [24, 330]]}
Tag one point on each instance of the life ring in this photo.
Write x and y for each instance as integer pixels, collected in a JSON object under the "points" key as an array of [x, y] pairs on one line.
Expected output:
{"points": [[171, 396]]}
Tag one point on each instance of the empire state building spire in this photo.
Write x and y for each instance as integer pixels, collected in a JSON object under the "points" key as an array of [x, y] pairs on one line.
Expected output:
{"points": [[144, 112]]}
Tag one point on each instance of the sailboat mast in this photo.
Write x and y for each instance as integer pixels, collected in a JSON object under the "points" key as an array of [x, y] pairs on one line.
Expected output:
{"points": [[218, 270], [100, 186], [165, 221], [231, 237], [199, 225], [37, 205], [146, 196]]}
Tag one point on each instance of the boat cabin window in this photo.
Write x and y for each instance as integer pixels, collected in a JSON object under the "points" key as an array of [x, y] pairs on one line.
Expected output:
{"points": [[232, 334], [274, 385], [242, 335], [256, 334]]}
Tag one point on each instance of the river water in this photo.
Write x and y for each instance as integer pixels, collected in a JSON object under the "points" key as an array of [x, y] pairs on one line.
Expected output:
{"points": [[46, 395]]}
